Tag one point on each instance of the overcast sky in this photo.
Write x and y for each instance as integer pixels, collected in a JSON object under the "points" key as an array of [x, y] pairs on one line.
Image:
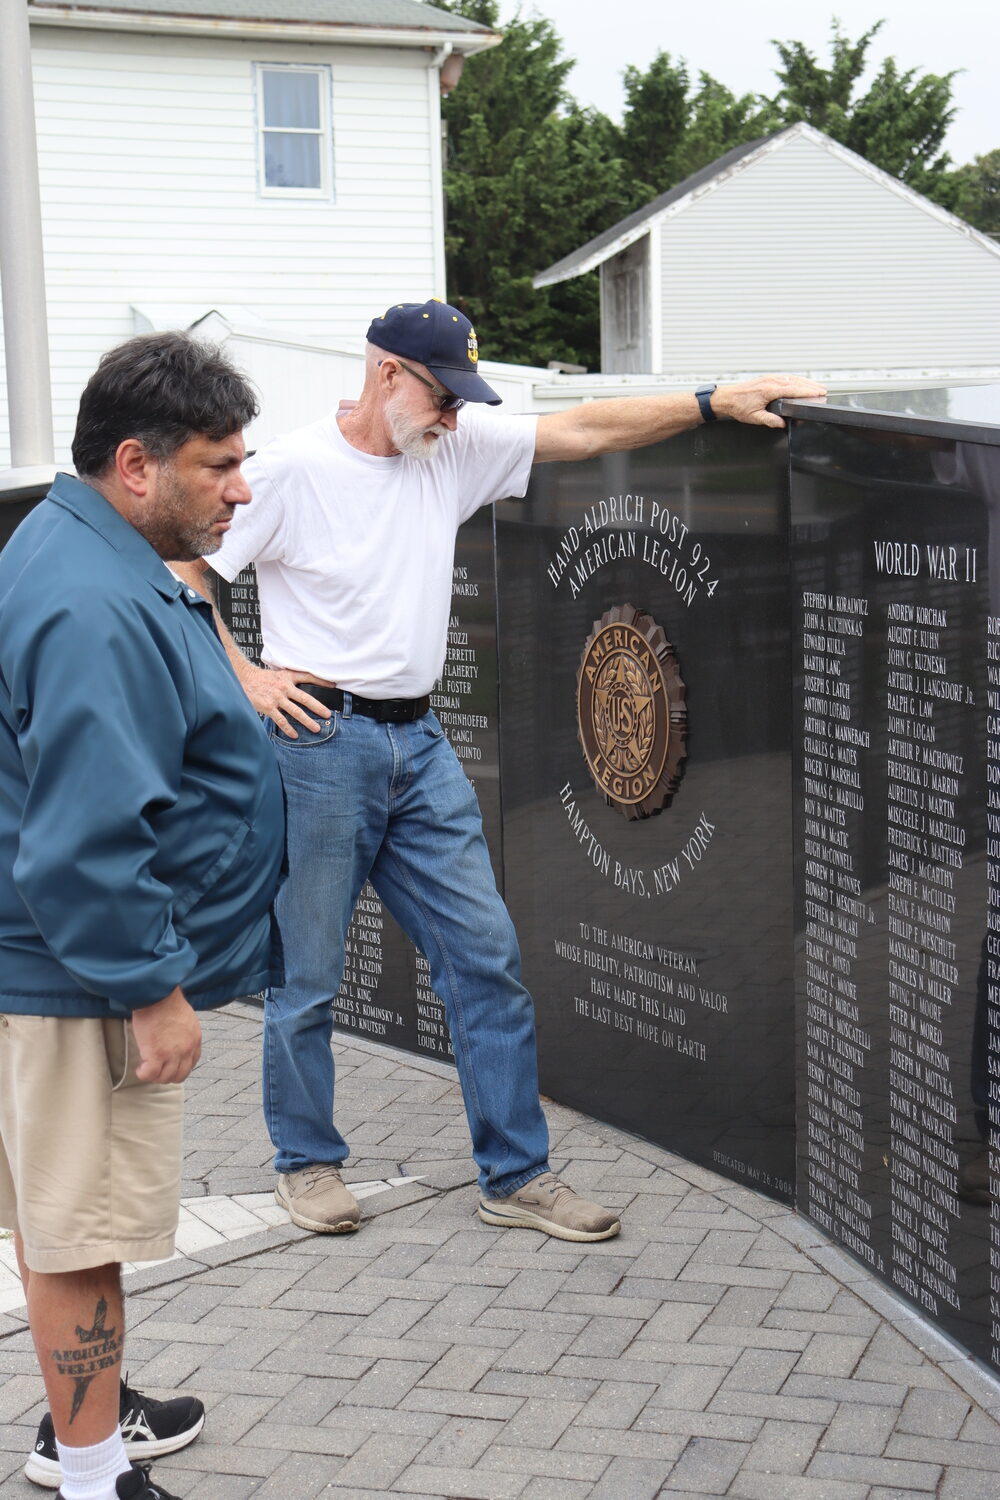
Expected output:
{"points": [[731, 40]]}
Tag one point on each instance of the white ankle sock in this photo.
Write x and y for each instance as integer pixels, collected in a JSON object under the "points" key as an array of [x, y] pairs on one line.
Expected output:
{"points": [[90, 1473]]}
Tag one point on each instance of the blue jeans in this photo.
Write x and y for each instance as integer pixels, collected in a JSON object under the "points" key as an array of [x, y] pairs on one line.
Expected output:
{"points": [[391, 803]]}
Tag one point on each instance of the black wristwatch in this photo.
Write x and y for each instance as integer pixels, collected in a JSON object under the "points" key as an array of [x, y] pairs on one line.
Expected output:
{"points": [[703, 396]]}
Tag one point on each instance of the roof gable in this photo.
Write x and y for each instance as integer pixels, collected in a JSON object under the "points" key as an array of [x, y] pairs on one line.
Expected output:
{"points": [[424, 21], [709, 179]]}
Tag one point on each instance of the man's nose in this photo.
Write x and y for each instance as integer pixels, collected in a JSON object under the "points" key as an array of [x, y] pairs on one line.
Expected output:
{"points": [[238, 492], [448, 419]]}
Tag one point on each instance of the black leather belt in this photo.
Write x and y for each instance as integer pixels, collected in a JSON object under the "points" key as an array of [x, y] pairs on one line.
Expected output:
{"points": [[384, 710]]}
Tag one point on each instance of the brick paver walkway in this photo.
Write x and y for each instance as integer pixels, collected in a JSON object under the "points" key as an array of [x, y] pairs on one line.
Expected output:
{"points": [[719, 1346]]}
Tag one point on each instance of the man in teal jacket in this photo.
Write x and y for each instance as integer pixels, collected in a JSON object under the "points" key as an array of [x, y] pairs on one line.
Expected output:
{"points": [[141, 840]]}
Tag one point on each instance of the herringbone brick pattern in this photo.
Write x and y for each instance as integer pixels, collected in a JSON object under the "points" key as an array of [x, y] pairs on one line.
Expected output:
{"points": [[718, 1347]]}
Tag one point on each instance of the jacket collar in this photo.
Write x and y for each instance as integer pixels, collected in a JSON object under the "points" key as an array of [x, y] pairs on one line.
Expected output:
{"points": [[89, 506]]}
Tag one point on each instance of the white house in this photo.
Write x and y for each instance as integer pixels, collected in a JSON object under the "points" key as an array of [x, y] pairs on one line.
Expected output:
{"points": [[794, 253], [279, 159]]}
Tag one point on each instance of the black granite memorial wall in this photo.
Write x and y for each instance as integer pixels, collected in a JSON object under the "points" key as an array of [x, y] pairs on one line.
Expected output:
{"points": [[897, 828], [13, 510], [822, 861], [639, 595]]}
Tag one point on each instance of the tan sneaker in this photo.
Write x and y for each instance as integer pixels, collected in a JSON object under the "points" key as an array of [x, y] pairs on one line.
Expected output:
{"points": [[547, 1204], [317, 1199]]}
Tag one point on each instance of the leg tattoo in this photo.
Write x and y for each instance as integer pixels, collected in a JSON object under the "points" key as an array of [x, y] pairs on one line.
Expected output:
{"points": [[99, 1349]]}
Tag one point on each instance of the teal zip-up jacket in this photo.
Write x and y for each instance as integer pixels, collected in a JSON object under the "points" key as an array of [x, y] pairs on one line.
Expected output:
{"points": [[141, 811]]}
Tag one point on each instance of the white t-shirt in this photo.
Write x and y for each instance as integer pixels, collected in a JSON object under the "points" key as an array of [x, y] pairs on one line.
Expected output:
{"points": [[355, 553]]}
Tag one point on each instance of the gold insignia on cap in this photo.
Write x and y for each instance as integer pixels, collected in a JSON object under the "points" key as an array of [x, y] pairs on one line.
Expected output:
{"points": [[473, 346]]}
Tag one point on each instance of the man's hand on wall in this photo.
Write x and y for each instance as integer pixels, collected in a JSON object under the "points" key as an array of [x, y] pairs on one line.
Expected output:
{"points": [[748, 400]]}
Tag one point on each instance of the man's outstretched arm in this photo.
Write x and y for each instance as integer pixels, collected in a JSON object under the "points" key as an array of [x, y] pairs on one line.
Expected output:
{"points": [[596, 427]]}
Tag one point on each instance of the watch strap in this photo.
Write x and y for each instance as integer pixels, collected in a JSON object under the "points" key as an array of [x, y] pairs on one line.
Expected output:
{"points": [[703, 396]]}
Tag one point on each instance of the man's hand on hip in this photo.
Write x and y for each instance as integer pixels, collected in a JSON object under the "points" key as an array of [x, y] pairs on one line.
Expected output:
{"points": [[277, 693], [169, 1038]]}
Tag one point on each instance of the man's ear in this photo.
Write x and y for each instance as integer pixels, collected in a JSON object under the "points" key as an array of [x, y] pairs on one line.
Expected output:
{"points": [[133, 466], [388, 370]]}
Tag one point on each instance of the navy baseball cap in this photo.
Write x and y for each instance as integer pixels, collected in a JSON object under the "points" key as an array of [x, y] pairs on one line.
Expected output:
{"points": [[441, 338]]}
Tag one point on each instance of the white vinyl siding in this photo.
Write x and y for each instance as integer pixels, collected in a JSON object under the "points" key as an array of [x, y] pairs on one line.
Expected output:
{"points": [[803, 261], [148, 162]]}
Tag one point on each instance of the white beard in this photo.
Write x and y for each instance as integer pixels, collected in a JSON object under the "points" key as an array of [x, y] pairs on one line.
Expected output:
{"points": [[411, 438]]}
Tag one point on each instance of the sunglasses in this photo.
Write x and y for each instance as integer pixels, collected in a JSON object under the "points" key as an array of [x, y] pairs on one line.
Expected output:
{"points": [[446, 401]]}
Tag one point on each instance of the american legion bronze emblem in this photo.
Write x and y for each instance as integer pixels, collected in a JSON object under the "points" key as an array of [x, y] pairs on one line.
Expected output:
{"points": [[631, 714]]}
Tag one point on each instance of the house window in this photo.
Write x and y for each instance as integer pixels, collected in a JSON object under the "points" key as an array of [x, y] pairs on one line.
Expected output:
{"points": [[293, 111]]}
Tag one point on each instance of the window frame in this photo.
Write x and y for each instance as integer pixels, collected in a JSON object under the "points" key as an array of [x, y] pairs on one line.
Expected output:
{"points": [[324, 132]]}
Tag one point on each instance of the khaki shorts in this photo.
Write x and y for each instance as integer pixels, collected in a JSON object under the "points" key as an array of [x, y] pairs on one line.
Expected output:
{"points": [[90, 1158]]}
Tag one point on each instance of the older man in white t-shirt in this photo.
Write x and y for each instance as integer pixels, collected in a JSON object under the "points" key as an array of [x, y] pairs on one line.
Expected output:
{"points": [[352, 531]]}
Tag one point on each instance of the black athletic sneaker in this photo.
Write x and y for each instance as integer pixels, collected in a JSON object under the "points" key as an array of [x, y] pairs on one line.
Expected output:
{"points": [[149, 1429], [137, 1485]]}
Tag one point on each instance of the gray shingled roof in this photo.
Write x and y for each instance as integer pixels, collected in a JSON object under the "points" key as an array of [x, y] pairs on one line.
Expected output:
{"points": [[570, 264], [398, 14]]}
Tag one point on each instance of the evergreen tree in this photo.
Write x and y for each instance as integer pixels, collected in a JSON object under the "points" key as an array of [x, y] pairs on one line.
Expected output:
{"points": [[899, 124], [530, 176], [669, 131], [979, 193]]}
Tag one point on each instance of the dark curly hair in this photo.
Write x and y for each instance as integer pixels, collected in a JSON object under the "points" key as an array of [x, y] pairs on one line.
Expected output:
{"points": [[162, 388]]}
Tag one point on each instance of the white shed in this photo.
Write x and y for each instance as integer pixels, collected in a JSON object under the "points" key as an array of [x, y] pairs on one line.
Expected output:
{"points": [[794, 253], [278, 157]]}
